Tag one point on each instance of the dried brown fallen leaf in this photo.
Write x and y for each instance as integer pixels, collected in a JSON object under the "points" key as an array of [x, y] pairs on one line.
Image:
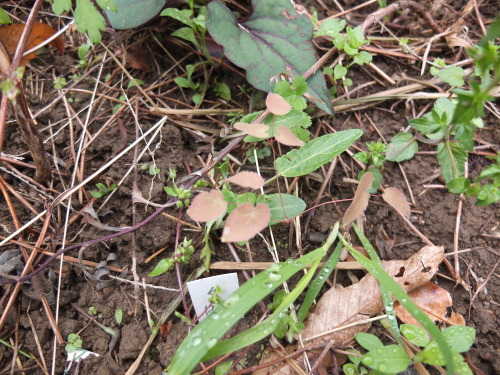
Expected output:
{"points": [[340, 306], [287, 138], [256, 130], [245, 222], [207, 206], [432, 299], [247, 180], [360, 201], [277, 105], [10, 35], [397, 200]]}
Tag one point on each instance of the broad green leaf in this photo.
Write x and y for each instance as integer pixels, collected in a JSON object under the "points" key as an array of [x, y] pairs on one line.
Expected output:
{"points": [[183, 16], [444, 109], [451, 157], [452, 75], [415, 334], [119, 316], [390, 359], [61, 6], [458, 185], [108, 5], [234, 200], [331, 27], [132, 13], [282, 206], [402, 147], [460, 338], [89, 20], [339, 72], [368, 341], [314, 154], [275, 39], [5, 18], [186, 33]]}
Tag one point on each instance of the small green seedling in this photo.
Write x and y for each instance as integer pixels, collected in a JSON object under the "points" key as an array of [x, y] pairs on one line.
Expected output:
{"points": [[92, 311], [119, 316], [196, 25], [184, 252], [393, 359], [59, 83], [222, 91], [150, 169], [183, 196], [374, 160], [215, 297], [102, 190], [188, 83], [74, 342], [452, 75]]}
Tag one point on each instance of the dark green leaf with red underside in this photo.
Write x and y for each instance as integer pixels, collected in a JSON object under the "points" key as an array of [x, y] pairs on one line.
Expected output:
{"points": [[274, 39]]}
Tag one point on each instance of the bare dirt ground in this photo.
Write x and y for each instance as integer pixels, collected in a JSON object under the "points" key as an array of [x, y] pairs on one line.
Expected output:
{"points": [[183, 143]]}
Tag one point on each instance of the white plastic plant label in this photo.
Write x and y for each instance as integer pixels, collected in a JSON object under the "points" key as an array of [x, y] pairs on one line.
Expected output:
{"points": [[203, 289]]}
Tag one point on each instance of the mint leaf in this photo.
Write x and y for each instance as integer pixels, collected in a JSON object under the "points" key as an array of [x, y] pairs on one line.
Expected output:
{"points": [[61, 6], [89, 20], [451, 157], [331, 27], [452, 75], [402, 147]]}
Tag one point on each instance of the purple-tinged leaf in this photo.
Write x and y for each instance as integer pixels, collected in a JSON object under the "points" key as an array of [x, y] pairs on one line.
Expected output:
{"points": [[275, 39]]}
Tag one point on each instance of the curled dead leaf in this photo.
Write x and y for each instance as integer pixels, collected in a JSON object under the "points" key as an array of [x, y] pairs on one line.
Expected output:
{"points": [[207, 206], [360, 201], [397, 200], [256, 130], [431, 298], [340, 306], [277, 105], [245, 222], [287, 138], [10, 35], [247, 180]]}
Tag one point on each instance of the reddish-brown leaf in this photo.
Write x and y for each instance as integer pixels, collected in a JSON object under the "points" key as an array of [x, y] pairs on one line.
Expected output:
{"points": [[360, 201], [397, 200], [247, 180], [277, 105], [207, 206], [256, 130], [287, 138], [432, 299], [10, 35], [245, 222]]}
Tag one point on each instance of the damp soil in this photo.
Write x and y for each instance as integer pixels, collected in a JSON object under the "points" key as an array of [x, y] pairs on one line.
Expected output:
{"points": [[434, 213]]}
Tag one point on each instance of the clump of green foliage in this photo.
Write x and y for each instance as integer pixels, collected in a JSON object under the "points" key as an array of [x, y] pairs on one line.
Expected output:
{"points": [[451, 124]]}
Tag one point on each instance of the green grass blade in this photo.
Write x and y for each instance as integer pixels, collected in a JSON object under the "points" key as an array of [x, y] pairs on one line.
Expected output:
{"points": [[320, 279], [258, 332], [377, 271], [205, 335], [386, 295]]}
